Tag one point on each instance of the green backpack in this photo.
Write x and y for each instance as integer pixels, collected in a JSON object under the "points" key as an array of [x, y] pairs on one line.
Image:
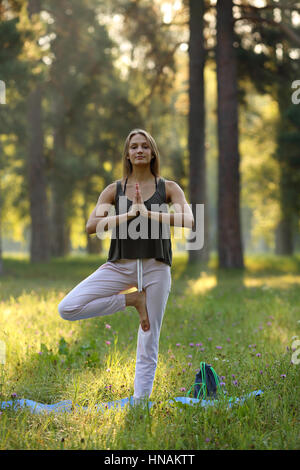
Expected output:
{"points": [[207, 383]]}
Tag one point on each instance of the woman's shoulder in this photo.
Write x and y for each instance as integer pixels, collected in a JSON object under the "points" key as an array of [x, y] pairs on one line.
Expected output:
{"points": [[113, 186], [109, 192], [170, 186]]}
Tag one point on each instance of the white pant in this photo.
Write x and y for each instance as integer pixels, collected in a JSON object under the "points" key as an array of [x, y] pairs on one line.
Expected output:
{"points": [[99, 294]]}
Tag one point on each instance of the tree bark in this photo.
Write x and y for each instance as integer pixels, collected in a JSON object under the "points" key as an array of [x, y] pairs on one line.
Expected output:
{"points": [[284, 231], [1, 259], [39, 244], [196, 136], [284, 237], [60, 230], [229, 233], [285, 228]]}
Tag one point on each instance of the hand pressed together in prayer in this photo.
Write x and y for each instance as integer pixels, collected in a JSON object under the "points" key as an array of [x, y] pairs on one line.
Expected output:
{"points": [[138, 207]]}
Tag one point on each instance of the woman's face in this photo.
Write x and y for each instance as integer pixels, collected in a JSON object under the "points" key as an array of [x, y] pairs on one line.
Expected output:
{"points": [[139, 151]]}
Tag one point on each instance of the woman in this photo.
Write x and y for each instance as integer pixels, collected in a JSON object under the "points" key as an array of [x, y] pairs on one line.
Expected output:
{"points": [[135, 197]]}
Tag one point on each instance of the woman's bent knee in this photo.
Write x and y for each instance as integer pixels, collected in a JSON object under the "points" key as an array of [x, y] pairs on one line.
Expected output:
{"points": [[67, 313]]}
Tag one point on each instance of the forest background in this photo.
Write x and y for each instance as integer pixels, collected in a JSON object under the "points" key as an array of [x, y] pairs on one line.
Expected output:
{"points": [[217, 85]]}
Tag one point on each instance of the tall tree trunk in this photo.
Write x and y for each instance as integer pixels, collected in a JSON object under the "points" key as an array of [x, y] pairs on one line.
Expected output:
{"points": [[39, 244], [229, 232], [285, 228], [60, 230], [1, 260], [284, 231], [196, 137], [284, 236]]}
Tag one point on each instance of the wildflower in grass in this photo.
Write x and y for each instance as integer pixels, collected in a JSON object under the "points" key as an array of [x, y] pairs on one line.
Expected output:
{"points": [[207, 439], [209, 339], [178, 345], [228, 340], [183, 370], [258, 355], [283, 376], [198, 345], [189, 364], [14, 395], [189, 355], [222, 384], [107, 370], [235, 382], [107, 342], [222, 377], [183, 389], [233, 376], [218, 347], [192, 345], [269, 323], [202, 349], [107, 326]]}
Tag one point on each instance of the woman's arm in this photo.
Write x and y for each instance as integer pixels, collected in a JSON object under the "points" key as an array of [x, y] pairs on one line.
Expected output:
{"points": [[99, 219], [105, 201], [182, 216]]}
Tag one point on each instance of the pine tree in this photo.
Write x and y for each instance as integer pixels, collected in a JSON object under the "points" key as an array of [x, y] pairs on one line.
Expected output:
{"points": [[10, 69], [229, 231], [36, 166], [273, 71], [196, 138]]}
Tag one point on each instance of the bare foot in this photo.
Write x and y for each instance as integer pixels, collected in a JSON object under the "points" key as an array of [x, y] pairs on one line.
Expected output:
{"points": [[138, 300]]}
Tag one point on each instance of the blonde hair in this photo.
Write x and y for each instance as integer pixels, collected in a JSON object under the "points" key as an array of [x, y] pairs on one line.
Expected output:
{"points": [[155, 160]]}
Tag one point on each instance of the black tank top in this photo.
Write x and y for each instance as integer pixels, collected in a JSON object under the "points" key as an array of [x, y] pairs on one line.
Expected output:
{"points": [[132, 242]]}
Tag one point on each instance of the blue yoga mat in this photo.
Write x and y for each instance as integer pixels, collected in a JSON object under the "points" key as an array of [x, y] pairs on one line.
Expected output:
{"points": [[67, 406]]}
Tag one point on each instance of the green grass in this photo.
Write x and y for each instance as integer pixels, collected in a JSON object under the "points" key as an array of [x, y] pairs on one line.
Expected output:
{"points": [[241, 323]]}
